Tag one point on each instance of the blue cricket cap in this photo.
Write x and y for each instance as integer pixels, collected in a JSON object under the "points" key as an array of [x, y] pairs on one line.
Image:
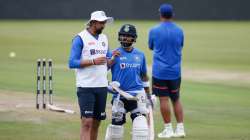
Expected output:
{"points": [[166, 10]]}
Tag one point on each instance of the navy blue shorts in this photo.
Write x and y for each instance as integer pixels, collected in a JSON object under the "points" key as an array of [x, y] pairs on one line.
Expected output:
{"points": [[92, 102], [169, 88]]}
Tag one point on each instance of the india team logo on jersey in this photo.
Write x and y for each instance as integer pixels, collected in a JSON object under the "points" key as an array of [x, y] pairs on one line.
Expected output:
{"points": [[137, 58], [103, 44]]}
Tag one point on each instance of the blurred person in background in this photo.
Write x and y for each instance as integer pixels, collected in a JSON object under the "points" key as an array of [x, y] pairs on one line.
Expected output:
{"points": [[166, 41]]}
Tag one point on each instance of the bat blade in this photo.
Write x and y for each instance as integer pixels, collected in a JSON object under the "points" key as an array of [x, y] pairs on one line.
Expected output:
{"points": [[58, 109], [123, 93], [151, 123]]}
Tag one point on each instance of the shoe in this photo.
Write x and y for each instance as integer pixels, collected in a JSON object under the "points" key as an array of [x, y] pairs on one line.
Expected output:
{"points": [[166, 133], [179, 132]]}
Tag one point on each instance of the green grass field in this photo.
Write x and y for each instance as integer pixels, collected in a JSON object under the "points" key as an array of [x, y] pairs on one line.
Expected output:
{"points": [[215, 87]]}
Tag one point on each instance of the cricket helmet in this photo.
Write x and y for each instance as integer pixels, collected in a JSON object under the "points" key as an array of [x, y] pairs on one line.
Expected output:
{"points": [[127, 35]]}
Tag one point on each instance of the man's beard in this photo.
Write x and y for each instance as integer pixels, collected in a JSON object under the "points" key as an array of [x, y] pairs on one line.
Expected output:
{"points": [[99, 31], [126, 45]]}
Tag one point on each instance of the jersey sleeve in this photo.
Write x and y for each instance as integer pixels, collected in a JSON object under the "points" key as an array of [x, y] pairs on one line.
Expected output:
{"points": [[109, 54], [75, 53]]}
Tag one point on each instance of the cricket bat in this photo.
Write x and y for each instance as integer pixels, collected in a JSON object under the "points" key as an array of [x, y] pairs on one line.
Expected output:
{"points": [[151, 123], [58, 109], [126, 95]]}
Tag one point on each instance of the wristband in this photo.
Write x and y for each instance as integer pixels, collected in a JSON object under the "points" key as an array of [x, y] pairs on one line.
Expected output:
{"points": [[145, 83]]}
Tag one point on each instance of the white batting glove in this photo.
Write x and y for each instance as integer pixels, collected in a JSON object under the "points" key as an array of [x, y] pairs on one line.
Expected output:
{"points": [[110, 88], [151, 99]]}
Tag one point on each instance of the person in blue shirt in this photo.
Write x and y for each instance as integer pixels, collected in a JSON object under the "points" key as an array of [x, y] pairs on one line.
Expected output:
{"points": [[166, 41], [130, 70]]}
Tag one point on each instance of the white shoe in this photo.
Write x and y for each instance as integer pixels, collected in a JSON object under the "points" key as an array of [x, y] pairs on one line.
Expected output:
{"points": [[179, 132], [166, 133]]}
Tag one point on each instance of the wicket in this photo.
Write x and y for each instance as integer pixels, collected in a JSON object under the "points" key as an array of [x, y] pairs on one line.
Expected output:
{"points": [[43, 64]]}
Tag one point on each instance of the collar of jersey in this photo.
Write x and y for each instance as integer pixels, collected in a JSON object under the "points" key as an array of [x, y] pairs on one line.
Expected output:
{"points": [[167, 22], [127, 51], [95, 37]]}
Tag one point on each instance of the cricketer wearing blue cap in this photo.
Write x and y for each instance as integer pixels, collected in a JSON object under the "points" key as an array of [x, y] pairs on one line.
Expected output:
{"points": [[166, 41]]}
